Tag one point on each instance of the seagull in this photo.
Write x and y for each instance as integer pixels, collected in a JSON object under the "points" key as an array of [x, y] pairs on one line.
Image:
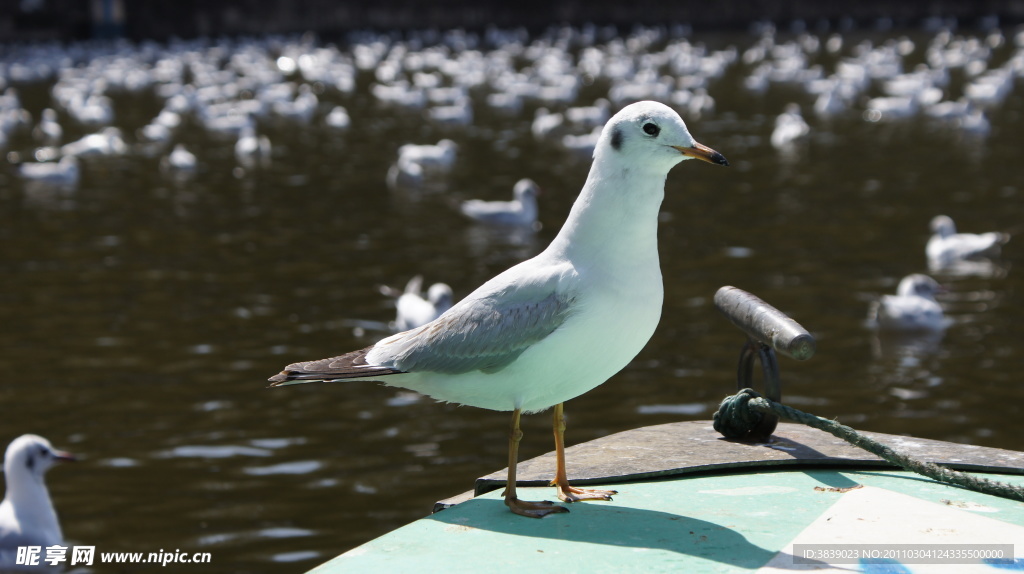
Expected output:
{"points": [[338, 118], [404, 173], [437, 158], [545, 122], [522, 210], [415, 311], [107, 142], [912, 308], [790, 126], [62, 173], [48, 130], [27, 517], [251, 149], [180, 161], [947, 247], [555, 326]]}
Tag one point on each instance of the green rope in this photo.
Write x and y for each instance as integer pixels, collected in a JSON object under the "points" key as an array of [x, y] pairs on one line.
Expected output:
{"points": [[741, 412]]}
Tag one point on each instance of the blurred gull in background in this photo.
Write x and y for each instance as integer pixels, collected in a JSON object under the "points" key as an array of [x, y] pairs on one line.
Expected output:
{"points": [[64, 173], [545, 122], [338, 118], [520, 211], [252, 149], [412, 309], [107, 142], [912, 308], [417, 162], [48, 131], [180, 161], [790, 126], [438, 158], [946, 247]]}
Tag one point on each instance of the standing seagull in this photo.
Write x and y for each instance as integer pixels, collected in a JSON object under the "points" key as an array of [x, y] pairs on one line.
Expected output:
{"points": [[27, 517], [553, 327]]}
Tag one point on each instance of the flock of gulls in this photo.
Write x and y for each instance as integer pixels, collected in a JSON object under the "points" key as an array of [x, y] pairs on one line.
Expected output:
{"points": [[231, 89], [543, 316]]}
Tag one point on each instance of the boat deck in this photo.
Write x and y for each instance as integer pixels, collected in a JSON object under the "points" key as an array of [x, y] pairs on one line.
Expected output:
{"points": [[691, 501]]}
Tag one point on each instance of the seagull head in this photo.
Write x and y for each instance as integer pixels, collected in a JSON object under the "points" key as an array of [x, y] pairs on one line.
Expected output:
{"points": [[942, 225], [919, 285], [32, 455], [652, 134], [440, 295], [525, 188]]}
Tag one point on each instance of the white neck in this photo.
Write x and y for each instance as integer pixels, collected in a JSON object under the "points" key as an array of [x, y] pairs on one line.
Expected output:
{"points": [[31, 502], [616, 214]]}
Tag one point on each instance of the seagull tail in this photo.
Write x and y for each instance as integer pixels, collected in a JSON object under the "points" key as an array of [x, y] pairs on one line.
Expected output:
{"points": [[348, 366]]}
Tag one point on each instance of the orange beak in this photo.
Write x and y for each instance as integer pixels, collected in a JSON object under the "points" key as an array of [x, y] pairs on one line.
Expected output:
{"points": [[703, 153]]}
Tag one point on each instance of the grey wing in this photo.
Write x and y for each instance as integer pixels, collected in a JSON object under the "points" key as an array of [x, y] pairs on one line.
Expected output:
{"points": [[485, 334]]}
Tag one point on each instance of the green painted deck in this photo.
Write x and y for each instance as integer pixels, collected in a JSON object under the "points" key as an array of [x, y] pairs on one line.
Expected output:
{"points": [[743, 513]]}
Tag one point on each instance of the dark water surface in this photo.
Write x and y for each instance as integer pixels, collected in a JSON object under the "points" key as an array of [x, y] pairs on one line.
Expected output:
{"points": [[141, 316]]}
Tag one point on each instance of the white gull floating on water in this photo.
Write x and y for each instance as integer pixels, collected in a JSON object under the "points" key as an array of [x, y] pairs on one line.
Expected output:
{"points": [[418, 161], [912, 308], [27, 517], [412, 309], [559, 324], [439, 157], [48, 131], [252, 150], [790, 126], [62, 173], [947, 247], [521, 211], [179, 161], [338, 118], [107, 142]]}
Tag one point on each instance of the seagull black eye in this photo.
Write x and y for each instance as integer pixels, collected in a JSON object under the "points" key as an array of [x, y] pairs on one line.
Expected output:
{"points": [[651, 129]]}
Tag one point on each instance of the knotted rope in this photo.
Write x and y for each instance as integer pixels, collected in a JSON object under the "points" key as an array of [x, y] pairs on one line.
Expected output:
{"points": [[739, 414]]}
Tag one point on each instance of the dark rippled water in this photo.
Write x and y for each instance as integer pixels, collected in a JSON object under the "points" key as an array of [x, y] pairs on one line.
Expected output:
{"points": [[140, 317]]}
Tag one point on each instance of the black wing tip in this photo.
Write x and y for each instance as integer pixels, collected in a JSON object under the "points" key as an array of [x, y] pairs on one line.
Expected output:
{"points": [[287, 378]]}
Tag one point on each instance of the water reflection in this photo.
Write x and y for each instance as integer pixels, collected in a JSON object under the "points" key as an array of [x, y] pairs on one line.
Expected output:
{"points": [[905, 350], [968, 268], [493, 245]]}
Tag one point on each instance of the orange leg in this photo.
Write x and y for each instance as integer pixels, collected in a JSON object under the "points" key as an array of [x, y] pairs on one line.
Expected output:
{"points": [[523, 507], [568, 493]]}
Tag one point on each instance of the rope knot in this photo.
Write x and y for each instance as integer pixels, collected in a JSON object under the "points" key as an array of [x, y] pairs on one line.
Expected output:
{"points": [[749, 417], [737, 421]]}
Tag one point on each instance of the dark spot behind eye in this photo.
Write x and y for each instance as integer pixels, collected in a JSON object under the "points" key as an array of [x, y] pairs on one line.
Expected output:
{"points": [[651, 129], [616, 139], [30, 462]]}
